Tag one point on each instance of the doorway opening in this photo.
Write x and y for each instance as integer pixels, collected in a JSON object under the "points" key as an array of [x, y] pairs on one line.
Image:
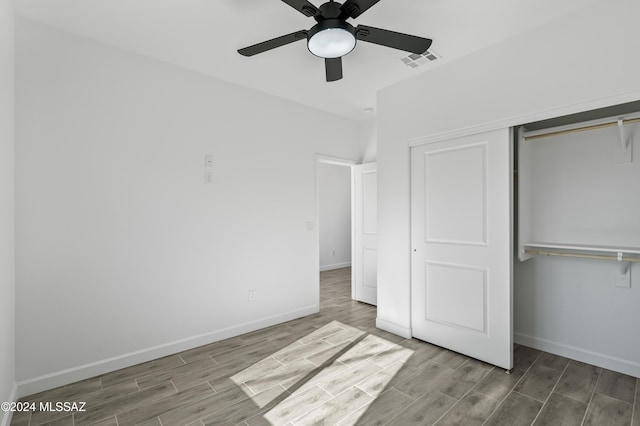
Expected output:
{"points": [[347, 223], [334, 215]]}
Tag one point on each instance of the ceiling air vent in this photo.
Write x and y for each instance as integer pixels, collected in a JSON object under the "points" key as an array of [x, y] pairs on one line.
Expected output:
{"points": [[415, 60]]}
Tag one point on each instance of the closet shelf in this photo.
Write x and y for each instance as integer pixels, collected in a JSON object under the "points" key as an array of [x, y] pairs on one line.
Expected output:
{"points": [[626, 254]]}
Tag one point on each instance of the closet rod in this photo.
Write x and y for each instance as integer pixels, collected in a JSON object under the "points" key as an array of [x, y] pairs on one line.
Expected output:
{"points": [[584, 256], [581, 129]]}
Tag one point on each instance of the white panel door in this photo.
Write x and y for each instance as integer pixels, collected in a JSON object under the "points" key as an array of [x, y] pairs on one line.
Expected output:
{"points": [[365, 265], [461, 209]]}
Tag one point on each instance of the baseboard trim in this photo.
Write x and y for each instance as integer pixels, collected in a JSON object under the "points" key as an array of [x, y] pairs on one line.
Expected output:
{"points": [[64, 377], [8, 415], [393, 328], [620, 365], [335, 266]]}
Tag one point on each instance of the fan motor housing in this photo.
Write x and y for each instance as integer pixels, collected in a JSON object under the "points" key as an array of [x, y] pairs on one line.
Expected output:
{"points": [[329, 10]]}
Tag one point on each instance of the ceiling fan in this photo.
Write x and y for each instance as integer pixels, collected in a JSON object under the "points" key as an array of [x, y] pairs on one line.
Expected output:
{"points": [[333, 37]]}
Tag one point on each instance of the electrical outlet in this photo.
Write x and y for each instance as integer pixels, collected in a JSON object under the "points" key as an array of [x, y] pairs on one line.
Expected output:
{"points": [[333, 252], [252, 295], [208, 178], [208, 160]]}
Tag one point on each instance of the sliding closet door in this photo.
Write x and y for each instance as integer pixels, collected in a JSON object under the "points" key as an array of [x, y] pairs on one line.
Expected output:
{"points": [[462, 246]]}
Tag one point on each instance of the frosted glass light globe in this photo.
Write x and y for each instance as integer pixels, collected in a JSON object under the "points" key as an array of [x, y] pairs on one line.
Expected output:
{"points": [[331, 43]]}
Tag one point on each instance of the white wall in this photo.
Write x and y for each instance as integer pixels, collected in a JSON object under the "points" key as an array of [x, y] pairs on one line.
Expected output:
{"points": [[579, 62], [123, 253], [369, 138], [7, 251], [574, 191], [334, 214]]}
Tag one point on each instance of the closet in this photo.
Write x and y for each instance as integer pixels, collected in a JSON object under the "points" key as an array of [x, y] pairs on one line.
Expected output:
{"points": [[579, 191], [577, 273]]}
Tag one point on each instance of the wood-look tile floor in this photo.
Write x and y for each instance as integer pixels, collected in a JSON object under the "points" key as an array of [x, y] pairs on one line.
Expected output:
{"points": [[336, 368]]}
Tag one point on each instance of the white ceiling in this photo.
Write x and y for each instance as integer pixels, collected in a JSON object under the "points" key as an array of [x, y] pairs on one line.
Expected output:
{"points": [[204, 35]]}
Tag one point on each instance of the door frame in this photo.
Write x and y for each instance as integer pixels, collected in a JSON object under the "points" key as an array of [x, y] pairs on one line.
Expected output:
{"points": [[336, 161]]}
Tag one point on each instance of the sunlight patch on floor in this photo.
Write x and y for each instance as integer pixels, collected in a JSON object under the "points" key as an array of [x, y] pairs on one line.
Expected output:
{"points": [[335, 367]]}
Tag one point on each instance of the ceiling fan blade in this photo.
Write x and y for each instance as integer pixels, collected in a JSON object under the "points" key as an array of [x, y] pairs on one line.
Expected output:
{"points": [[400, 41], [333, 67], [355, 8], [273, 43], [303, 6]]}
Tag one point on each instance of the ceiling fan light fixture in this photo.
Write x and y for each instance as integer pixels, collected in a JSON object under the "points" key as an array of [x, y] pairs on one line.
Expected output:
{"points": [[331, 38]]}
